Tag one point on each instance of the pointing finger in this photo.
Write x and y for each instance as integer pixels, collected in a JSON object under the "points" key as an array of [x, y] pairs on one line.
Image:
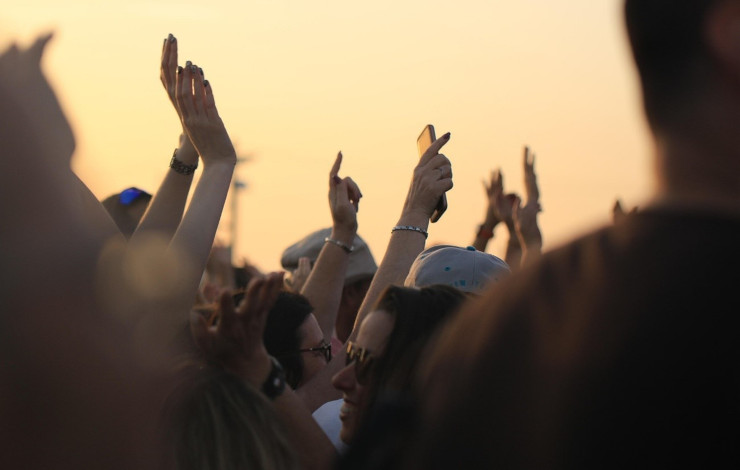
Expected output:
{"points": [[435, 148], [335, 168]]}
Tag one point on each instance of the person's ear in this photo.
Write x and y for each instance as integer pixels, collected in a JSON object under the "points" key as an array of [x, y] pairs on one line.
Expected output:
{"points": [[722, 29]]}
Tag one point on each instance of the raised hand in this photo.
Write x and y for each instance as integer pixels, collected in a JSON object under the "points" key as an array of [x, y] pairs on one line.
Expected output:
{"points": [[525, 216], [232, 336], [297, 279], [530, 178], [197, 109], [168, 68], [494, 190], [432, 178], [344, 200], [186, 153]]}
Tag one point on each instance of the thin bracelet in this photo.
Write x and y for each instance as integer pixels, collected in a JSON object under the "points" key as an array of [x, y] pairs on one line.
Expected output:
{"points": [[343, 246], [180, 167], [412, 228]]}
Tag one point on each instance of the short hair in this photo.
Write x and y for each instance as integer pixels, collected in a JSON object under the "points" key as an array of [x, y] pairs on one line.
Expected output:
{"points": [[670, 52], [214, 420]]}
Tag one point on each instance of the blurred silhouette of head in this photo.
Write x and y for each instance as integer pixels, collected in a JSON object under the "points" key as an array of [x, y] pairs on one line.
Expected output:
{"points": [[127, 208]]}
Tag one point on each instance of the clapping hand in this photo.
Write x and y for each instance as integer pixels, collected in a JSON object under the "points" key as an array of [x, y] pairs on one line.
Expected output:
{"points": [[192, 96], [186, 153], [525, 216]]}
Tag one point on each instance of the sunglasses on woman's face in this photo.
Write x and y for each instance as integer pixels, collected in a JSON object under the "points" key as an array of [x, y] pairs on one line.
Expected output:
{"points": [[324, 348], [363, 360]]}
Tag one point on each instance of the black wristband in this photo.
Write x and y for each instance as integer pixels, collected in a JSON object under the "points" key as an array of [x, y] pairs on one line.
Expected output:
{"points": [[180, 167], [275, 382]]}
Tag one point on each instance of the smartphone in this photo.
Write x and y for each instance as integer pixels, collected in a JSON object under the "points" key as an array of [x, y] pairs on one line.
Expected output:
{"points": [[424, 141]]}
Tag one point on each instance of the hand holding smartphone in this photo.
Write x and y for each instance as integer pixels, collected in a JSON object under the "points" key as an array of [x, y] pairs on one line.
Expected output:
{"points": [[423, 142]]}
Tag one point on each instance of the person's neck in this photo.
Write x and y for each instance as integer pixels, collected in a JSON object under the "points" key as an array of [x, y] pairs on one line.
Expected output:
{"points": [[700, 169]]}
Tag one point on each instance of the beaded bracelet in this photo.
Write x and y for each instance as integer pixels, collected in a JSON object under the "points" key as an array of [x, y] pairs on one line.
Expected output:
{"points": [[180, 167], [343, 246], [411, 228]]}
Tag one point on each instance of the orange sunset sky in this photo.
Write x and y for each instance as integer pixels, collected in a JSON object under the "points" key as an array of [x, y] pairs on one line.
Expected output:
{"points": [[297, 81]]}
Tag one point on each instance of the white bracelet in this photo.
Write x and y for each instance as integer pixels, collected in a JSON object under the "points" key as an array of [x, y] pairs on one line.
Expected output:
{"points": [[412, 228], [343, 246]]}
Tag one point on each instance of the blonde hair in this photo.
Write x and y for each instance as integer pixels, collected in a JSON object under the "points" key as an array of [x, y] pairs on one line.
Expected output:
{"points": [[216, 421]]}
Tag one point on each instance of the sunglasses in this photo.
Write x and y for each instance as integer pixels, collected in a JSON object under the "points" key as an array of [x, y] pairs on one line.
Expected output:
{"points": [[324, 348], [363, 360], [128, 196]]}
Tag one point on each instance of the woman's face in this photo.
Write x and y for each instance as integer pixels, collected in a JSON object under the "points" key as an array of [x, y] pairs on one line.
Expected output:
{"points": [[311, 337], [371, 339]]}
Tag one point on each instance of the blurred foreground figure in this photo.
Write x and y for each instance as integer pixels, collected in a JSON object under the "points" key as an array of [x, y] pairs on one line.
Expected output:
{"points": [[78, 390], [618, 350]]}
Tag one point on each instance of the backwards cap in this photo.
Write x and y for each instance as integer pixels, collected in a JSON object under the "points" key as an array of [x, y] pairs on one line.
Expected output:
{"points": [[466, 269]]}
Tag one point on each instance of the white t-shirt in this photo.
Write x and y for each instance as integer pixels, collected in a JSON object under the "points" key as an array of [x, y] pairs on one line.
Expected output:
{"points": [[327, 416]]}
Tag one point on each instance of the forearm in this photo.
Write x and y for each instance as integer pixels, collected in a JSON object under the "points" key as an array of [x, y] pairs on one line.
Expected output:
{"points": [[311, 444], [532, 247], [484, 234], [194, 237], [313, 447], [513, 248], [165, 210], [403, 248], [324, 285]]}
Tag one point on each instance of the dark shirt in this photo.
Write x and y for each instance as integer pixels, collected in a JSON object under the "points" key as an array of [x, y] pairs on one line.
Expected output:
{"points": [[617, 350]]}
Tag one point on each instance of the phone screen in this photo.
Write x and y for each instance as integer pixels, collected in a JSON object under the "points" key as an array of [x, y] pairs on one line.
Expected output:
{"points": [[423, 142]]}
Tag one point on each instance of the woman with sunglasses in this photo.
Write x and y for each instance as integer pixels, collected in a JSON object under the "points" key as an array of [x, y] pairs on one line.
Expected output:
{"points": [[293, 337], [388, 348]]}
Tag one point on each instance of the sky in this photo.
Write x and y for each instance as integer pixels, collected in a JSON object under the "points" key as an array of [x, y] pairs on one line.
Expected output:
{"points": [[295, 82]]}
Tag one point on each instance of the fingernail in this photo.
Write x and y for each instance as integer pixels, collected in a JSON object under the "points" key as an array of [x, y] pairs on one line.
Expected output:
{"points": [[446, 136], [179, 70], [188, 64], [193, 68], [171, 37], [205, 83], [201, 71]]}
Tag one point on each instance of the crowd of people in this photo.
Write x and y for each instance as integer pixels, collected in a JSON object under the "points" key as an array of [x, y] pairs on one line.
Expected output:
{"points": [[130, 340]]}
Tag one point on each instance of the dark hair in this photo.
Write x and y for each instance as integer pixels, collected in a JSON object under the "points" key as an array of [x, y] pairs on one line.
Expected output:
{"points": [[669, 49], [124, 208], [282, 333], [418, 314], [213, 420], [390, 417]]}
